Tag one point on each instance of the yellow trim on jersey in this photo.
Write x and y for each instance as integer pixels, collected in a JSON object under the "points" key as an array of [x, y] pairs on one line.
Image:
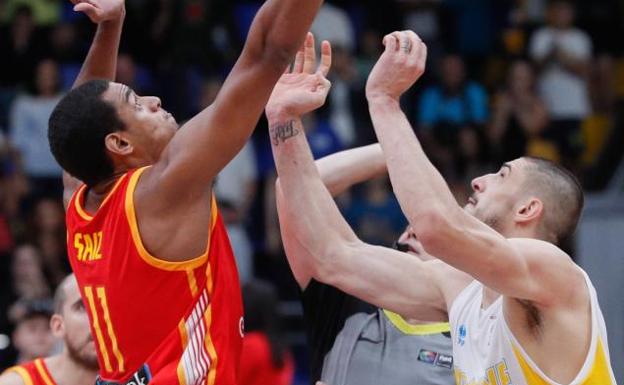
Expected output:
{"points": [[98, 331], [416, 330], [191, 264], [79, 194], [23, 373], [599, 374], [42, 372], [192, 281], [210, 348], [184, 340]]}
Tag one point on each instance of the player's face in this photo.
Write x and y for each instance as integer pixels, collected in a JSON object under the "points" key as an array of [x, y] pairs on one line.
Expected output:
{"points": [[76, 332], [149, 128], [495, 195]]}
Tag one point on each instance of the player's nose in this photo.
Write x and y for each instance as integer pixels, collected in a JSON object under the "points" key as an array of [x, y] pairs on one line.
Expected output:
{"points": [[154, 103], [478, 184]]}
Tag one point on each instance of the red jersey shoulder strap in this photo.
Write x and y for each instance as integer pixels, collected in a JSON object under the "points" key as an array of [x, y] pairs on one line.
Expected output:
{"points": [[76, 203], [33, 373]]}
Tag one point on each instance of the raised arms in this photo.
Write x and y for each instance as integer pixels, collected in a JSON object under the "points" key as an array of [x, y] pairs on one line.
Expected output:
{"points": [[211, 139], [516, 268], [316, 237]]}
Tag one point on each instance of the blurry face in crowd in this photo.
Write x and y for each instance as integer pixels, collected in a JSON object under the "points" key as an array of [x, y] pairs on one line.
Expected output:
{"points": [[126, 69], [72, 326], [27, 264], [521, 79], [453, 72], [32, 337], [149, 128], [561, 15], [49, 215], [47, 78]]}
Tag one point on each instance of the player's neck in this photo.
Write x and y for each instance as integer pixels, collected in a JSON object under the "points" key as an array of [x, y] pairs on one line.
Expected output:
{"points": [[66, 371], [489, 297]]}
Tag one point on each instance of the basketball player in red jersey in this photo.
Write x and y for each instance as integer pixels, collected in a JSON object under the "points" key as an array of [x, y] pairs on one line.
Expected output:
{"points": [[145, 238], [77, 364]]}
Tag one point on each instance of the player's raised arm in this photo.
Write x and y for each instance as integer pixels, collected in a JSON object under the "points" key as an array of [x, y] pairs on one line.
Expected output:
{"points": [[516, 268], [101, 61], [211, 139], [342, 170], [318, 241]]}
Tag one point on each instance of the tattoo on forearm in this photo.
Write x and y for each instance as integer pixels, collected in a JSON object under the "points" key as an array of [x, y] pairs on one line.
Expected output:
{"points": [[282, 132]]}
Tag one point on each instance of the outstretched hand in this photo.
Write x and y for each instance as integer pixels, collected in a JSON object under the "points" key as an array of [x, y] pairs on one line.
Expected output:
{"points": [[399, 67], [304, 87], [101, 10]]}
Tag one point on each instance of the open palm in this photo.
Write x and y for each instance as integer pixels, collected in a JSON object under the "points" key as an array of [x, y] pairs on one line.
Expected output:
{"points": [[304, 87]]}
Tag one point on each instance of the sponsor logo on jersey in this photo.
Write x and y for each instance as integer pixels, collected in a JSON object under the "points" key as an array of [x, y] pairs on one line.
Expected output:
{"points": [[461, 335], [435, 358]]}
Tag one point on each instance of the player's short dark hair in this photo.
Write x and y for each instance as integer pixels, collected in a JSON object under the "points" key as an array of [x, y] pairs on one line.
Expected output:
{"points": [[78, 127], [562, 194]]}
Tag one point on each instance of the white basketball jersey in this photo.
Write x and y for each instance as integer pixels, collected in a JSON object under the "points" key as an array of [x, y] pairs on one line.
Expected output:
{"points": [[486, 352]]}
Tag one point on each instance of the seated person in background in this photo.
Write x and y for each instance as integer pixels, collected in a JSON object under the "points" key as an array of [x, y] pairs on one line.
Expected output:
{"points": [[451, 116], [519, 115]]}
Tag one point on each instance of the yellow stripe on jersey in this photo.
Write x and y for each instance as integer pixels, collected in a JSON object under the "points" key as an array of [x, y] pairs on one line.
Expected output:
{"points": [[98, 331], [42, 372], [417, 330], [23, 373], [599, 374], [184, 340], [210, 348], [192, 281], [111, 332]]}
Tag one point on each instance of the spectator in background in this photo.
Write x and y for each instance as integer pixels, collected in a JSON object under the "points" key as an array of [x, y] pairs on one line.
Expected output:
{"points": [[451, 118], [333, 24], [47, 230], [45, 12], [32, 337], [265, 357], [27, 274], [29, 129], [518, 115], [563, 54], [21, 46], [235, 189], [375, 214]]}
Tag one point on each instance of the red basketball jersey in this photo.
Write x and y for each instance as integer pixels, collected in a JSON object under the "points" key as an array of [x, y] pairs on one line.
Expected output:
{"points": [[177, 322], [33, 373]]}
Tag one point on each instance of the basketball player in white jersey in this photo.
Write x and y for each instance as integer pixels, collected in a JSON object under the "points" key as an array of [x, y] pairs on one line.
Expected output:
{"points": [[521, 311]]}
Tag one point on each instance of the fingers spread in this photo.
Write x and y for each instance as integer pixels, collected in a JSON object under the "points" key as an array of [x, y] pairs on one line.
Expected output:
{"points": [[326, 58], [309, 65]]}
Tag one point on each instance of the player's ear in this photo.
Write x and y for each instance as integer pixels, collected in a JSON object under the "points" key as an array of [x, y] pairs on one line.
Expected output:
{"points": [[118, 144], [530, 210], [57, 326]]}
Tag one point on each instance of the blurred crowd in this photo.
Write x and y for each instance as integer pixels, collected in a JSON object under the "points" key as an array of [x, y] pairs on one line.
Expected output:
{"points": [[505, 78]]}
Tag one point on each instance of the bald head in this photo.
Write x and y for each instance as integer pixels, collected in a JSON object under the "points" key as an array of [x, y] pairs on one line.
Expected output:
{"points": [[562, 196], [60, 296]]}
